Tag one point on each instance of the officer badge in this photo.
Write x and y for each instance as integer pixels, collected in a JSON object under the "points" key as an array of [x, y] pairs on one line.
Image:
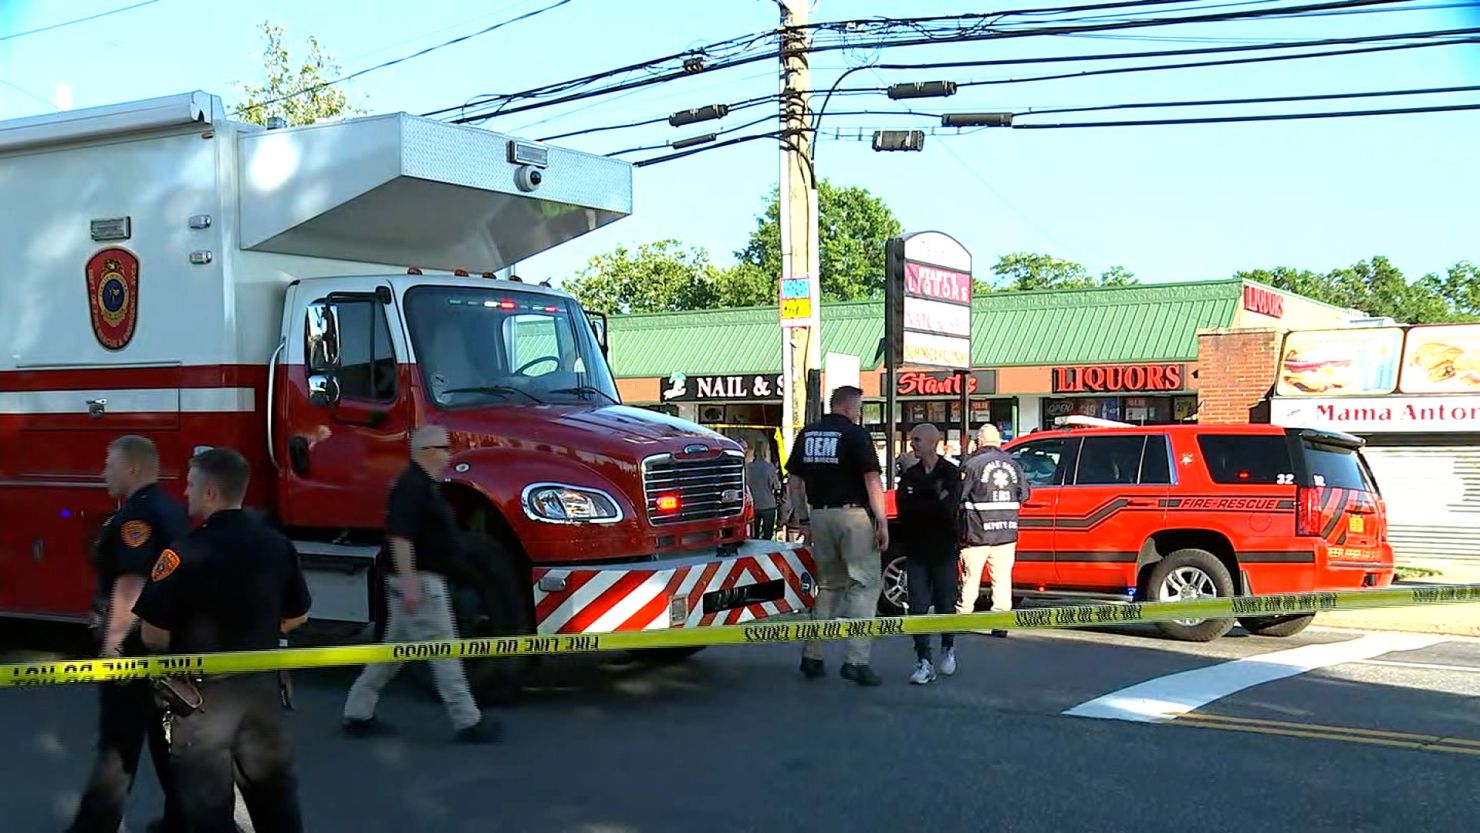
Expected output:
{"points": [[166, 564], [113, 296], [135, 534]]}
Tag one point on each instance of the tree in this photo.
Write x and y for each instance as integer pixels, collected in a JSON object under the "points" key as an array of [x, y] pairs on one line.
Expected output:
{"points": [[853, 226], [658, 277], [1379, 288], [1031, 270], [298, 92]]}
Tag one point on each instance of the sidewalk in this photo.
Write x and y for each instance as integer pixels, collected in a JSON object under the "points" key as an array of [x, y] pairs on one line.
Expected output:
{"points": [[1455, 619]]}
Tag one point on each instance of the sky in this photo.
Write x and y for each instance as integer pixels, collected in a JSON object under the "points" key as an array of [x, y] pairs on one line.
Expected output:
{"points": [[1169, 203]]}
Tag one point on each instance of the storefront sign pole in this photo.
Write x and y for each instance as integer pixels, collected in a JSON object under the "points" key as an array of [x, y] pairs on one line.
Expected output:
{"points": [[965, 378], [891, 375]]}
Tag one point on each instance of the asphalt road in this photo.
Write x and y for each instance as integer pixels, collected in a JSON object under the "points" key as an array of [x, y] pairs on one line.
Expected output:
{"points": [[734, 739]]}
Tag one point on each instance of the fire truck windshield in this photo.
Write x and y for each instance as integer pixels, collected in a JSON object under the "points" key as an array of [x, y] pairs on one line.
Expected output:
{"points": [[479, 346]]}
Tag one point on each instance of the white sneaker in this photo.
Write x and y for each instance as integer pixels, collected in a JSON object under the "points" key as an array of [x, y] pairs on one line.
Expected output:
{"points": [[948, 661], [924, 672]]}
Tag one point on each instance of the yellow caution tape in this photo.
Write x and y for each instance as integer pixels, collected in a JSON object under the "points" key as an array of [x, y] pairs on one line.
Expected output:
{"points": [[97, 670]]}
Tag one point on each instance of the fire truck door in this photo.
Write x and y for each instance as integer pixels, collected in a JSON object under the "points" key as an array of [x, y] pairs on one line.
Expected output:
{"points": [[346, 410]]}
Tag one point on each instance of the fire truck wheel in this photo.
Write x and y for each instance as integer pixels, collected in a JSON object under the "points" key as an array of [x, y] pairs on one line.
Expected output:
{"points": [[1185, 575], [494, 602], [1276, 625]]}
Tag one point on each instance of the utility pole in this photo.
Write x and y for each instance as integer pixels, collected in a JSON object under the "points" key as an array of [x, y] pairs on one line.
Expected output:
{"points": [[801, 345]]}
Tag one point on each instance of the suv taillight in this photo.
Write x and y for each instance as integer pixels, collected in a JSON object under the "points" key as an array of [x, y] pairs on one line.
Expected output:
{"points": [[1308, 520]]}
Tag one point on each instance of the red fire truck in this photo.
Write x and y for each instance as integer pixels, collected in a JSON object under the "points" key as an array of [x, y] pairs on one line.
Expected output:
{"points": [[307, 295]]}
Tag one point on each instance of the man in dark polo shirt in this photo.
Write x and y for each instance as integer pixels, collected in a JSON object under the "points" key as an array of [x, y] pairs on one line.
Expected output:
{"points": [[422, 533], [834, 461], [928, 497]]}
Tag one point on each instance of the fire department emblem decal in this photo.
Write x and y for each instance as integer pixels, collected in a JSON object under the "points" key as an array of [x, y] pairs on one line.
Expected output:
{"points": [[113, 296]]}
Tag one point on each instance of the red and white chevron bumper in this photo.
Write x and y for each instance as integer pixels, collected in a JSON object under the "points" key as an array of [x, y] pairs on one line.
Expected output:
{"points": [[763, 578]]}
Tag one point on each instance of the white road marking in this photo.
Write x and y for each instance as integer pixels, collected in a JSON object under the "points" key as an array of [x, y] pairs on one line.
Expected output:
{"points": [[1468, 669], [1167, 697]]}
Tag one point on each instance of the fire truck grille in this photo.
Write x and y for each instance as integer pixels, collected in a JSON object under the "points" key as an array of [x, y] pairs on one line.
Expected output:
{"points": [[709, 488]]}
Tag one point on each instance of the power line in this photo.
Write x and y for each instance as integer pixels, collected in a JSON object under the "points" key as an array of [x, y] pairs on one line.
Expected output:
{"points": [[743, 104], [1444, 108], [748, 40], [1250, 118], [1264, 100], [1225, 62], [717, 133], [1166, 53], [681, 154], [78, 20], [1285, 11], [402, 59]]}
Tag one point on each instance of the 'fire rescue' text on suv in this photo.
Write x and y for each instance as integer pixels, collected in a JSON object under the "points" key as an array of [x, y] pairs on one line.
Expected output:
{"points": [[1161, 513]]}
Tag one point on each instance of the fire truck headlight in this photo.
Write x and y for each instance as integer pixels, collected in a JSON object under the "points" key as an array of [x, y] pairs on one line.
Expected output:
{"points": [[559, 503]]}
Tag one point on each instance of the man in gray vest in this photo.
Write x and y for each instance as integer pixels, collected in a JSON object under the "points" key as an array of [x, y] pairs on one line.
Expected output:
{"points": [[993, 489]]}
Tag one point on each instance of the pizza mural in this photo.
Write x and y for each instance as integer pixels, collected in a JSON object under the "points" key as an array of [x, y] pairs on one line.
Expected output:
{"points": [[1351, 362], [1442, 359]]}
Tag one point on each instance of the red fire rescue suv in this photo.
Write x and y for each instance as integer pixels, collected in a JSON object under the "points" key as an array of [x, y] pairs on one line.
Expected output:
{"points": [[204, 282]]}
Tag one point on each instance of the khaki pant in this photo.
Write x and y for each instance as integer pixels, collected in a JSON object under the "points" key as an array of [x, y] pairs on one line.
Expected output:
{"points": [[849, 576], [999, 558], [431, 621]]}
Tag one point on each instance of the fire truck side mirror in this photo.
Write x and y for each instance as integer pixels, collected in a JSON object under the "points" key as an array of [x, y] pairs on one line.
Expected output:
{"points": [[323, 390], [322, 345]]}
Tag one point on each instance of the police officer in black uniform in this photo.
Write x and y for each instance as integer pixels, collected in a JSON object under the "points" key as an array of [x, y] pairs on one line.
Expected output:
{"points": [[132, 539], [233, 584], [834, 461]]}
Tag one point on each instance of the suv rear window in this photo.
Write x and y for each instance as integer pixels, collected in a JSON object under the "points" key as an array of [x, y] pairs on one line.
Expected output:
{"points": [[1336, 466], [1247, 458]]}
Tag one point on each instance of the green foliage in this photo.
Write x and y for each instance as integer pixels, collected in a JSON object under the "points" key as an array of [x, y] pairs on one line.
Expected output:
{"points": [[1032, 270], [285, 78], [853, 227], [658, 277], [1379, 288]]}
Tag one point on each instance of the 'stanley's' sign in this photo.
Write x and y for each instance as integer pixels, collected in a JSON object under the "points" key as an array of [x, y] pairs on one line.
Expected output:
{"points": [[916, 383]]}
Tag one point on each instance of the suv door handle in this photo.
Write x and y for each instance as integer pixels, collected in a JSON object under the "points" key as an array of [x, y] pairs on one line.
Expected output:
{"points": [[1137, 501], [1035, 506]]}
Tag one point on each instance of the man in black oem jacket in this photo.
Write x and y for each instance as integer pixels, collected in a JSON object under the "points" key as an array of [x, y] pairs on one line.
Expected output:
{"points": [[928, 496], [993, 490]]}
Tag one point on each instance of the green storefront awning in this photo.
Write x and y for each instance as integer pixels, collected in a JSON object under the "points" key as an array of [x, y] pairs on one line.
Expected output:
{"points": [[1153, 322]]}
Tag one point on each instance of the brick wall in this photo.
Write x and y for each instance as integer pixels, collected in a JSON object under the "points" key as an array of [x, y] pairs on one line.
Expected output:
{"points": [[1235, 371]]}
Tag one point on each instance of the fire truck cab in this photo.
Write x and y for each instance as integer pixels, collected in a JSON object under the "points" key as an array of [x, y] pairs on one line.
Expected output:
{"points": [[307, 295]]}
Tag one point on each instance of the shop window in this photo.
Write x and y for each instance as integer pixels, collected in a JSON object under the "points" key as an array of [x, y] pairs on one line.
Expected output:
{"points": [[1114, 460]]}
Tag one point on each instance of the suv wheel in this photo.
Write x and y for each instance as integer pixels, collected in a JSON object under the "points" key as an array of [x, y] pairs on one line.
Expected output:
{"points": [[894, 598], [1277, 625], [1185, 575]]}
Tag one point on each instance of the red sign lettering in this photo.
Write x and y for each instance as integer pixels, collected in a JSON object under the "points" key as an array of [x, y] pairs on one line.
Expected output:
{"points": [[1110, 378], [1263, 301], [917, 383], [940, 284]]}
